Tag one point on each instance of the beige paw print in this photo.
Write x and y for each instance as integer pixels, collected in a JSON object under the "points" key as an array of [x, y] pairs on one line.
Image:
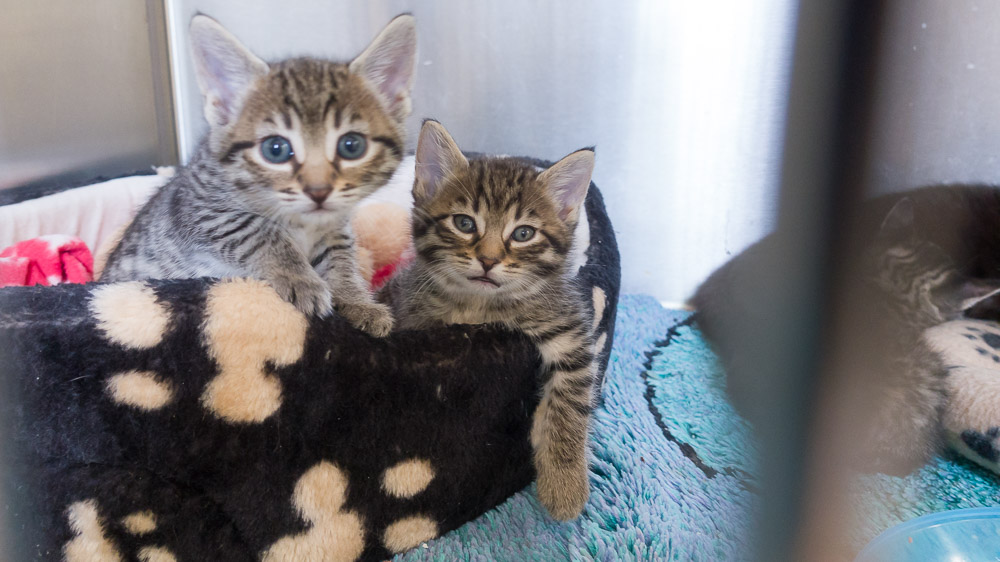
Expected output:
{"points": [[600, 299], [142, 523], [90, 543], [405, 480], [129, 315], [139, 389], [334, 534], [409, 532], [248, 326]]}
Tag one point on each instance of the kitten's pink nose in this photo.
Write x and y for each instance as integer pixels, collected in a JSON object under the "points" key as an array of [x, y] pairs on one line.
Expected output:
{"points": [[488, 263], [318, 193]]}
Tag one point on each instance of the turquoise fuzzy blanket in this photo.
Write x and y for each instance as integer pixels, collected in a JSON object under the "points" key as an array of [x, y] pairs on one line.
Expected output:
{"points": [[672, 467]]}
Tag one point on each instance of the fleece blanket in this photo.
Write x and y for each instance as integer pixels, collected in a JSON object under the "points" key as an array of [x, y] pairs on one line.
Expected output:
{"points": [[208, 419], [671, 470]]}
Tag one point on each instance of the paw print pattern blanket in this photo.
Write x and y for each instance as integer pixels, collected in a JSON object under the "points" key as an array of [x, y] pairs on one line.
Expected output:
{"points": [[209, 420]]}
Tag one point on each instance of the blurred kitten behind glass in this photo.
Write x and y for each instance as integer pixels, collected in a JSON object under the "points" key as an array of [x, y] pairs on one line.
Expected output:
{"points": [[912, 284]]}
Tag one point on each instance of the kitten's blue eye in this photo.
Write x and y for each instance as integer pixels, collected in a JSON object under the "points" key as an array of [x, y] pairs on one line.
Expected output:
{"points": [[465, 223], [352, 146], [523, 233], [276, 150]]}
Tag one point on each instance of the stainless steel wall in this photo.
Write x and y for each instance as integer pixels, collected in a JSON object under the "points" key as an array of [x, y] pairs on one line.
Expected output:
{"points": [[938, 111], [84, 89], [683, 100]]}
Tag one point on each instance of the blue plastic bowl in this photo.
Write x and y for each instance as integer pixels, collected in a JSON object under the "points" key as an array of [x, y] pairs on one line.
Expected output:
{"points": [[962, 535]]}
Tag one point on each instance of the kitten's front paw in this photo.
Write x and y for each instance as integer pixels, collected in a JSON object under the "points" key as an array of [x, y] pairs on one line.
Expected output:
{"points": [[311, 296], [563, 489], [561, 465], [375, 319]]}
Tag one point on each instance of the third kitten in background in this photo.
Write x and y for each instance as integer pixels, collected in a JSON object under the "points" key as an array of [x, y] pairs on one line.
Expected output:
{"points": [[908, 283], [493, 238], [912, 285], [292, 147]]}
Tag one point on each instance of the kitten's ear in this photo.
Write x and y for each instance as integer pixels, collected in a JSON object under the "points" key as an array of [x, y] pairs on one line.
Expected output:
{"points": [[900, 223], [980, 298], [224, 67], [437, 158], [568, 180], [388, 63]]}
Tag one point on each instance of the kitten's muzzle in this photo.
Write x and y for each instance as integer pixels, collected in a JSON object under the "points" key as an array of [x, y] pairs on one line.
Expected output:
{"points": [[318, 193], [488, 263]]}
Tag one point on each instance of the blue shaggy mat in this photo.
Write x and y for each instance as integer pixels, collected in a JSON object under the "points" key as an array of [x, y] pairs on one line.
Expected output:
{"points": [[669, 469], [672, 467]]}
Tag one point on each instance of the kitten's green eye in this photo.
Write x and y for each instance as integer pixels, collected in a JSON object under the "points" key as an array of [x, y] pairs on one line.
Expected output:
{"points": [[464, 223], [276, 150], [352, 146], [523, 233]]}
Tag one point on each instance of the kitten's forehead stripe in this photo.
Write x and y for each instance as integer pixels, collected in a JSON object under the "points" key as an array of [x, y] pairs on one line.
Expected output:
{"points": [[295, 108], [330, 102], [300, 86]]}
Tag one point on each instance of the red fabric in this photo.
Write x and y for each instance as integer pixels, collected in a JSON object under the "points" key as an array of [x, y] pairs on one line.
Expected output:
{"points": [[46, 260], [383, 274]]}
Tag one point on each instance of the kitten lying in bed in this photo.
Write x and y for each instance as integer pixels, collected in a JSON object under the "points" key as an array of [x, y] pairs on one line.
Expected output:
{"points": [[912, 285], [292, 147], [907, 284], [493, 238]]}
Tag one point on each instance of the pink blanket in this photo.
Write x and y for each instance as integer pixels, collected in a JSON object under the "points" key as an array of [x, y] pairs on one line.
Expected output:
{"points": [[46, 260]]}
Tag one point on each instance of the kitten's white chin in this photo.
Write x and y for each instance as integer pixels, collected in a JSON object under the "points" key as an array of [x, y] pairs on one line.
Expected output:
{"points": [[319, 214]]}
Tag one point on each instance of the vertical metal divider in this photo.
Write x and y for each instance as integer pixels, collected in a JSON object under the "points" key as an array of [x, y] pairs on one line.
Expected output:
{"points": [[159, 54], [823, 161]]}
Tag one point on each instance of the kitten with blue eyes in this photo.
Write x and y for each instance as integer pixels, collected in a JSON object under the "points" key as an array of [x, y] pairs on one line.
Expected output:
{"points": [[494, 239], [292, 147]]}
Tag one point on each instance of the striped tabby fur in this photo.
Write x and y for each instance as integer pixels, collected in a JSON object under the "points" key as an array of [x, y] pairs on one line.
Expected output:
{"points": [[471, 268], [292, 147], [910, 284]]}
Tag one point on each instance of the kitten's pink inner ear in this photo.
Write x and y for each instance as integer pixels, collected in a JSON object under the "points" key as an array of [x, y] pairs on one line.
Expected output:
{"points": [[389, 62], [437, 158], [224, 68], [568, 180]]}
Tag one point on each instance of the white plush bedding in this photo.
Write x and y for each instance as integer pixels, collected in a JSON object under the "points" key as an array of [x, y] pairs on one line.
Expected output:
{"points": [[93, 213]]}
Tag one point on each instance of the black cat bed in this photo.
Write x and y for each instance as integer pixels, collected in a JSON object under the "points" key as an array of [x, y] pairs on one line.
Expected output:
{"points": [[208, 420]]}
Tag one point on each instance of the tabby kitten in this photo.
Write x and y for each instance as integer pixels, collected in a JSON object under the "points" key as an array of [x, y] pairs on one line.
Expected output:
{"points": [[908, 284], [912, 285], [493, 236], [292, 147]]}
